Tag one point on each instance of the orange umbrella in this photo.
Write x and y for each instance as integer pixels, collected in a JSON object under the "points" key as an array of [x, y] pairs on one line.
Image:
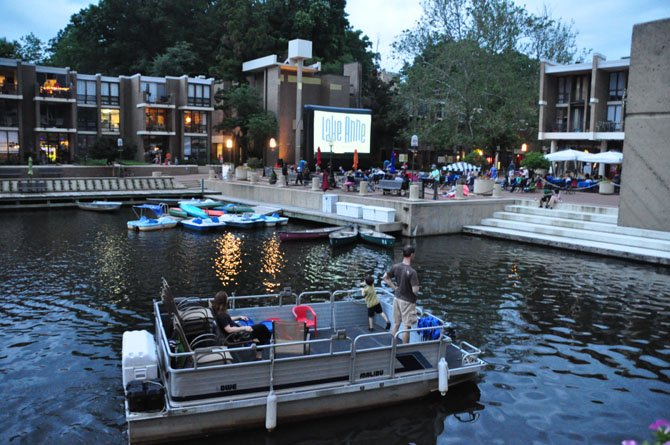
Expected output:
{"points": [[355, 166]]}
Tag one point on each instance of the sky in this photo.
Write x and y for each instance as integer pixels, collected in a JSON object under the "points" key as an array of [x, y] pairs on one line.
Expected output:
{"points": [[603, 26]]}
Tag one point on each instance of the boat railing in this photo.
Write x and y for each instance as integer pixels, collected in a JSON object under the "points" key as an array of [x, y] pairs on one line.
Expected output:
{"points": [[279, 297]]}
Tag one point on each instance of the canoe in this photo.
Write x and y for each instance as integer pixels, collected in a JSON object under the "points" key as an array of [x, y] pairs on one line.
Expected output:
{"points": [[378, 238], [234, 208], [343, 237], [100, 206], [177, 212], [308, 234], [193, 211], [212, 212], [203, 223], [169, 393]]}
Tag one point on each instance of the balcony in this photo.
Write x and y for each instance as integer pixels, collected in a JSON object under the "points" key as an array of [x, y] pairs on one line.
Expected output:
{"points": [[9, 120], [109, 127], [87, 126], [53, 92], [559, 127], [199, 102], [109, 100], [86, 99], [609, 126], [10, 89], [193, 128], [158, 100], [156, 127]]}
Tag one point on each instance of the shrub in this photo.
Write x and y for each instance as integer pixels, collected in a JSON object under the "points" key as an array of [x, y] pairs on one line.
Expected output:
{"points": [[254, 163], [535, 160]]}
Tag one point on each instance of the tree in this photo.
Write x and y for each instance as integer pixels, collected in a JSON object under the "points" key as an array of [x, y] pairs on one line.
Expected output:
{"points": [[32, 49], [10, 50], [245, 118], [474, 71], [535, 160], [176, 61]]}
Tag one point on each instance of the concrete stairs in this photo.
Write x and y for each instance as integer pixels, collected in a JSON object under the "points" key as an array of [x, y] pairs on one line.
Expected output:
{"points": [[585, 228]]}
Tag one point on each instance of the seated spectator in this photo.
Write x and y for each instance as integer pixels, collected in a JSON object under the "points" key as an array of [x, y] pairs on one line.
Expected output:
{"points": [[258, 332]]}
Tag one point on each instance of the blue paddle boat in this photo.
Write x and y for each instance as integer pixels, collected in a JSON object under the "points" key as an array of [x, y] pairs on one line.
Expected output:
{"points": [[203, 223], [161, 220]]}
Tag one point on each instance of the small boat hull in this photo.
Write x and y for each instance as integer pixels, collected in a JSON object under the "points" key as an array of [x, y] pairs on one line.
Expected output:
{"points": [[309, 234], [150, 225], [100, 206], [378, 238], [193, 211], [177, 212], [343, 237]]}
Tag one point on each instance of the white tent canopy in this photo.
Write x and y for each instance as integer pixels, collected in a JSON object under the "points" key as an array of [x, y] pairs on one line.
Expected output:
{"points": [[462, 166], [607, 157], [565, 155]]}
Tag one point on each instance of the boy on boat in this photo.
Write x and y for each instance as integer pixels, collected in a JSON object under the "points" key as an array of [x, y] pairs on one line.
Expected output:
{"points": [[373, 304]]}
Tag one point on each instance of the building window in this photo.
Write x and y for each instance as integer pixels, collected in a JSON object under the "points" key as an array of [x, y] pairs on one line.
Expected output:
{"points": [[110, 120], [195, 148], [54, 147], [9, 146], [84, 144], [87, 119], [199, 95], [53, 85], [617, 84], [9, 113], [580, 89], [54, 116], [563, 90], [561, 124], [109, 93], [154, 92], [195, 122], [577, 123], [614, 117], [86, 91], [156, 119]]}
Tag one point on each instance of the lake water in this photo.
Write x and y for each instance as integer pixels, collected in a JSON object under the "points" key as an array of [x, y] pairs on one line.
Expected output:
{"points": [[578, 346]]}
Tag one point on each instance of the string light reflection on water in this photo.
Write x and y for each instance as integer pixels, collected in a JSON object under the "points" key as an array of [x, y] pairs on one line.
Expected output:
{"points": [[272, 263], [228, 264]]}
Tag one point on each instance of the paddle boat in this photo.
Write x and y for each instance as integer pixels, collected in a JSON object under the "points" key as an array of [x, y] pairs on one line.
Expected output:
{"points": [[244, 221], [202, 203], [100, 206], [343, 237], [145, 223], [274, 220], [378, 238], [177, 212], [187, 379], [308, 234], [212, 222]]}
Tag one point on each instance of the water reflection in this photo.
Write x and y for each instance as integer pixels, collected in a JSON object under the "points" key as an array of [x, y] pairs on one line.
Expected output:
{"points": [[577, 345], [272, 263], [228, 263]]}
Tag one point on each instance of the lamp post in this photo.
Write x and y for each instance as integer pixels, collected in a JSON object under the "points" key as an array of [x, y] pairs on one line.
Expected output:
{"points": [[229, 146], [414, 142], [331, 176]]}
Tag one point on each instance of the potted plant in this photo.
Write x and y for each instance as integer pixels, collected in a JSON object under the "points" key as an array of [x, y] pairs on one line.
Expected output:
{"points": [[255, 167], [606, 187], [536, 162]]}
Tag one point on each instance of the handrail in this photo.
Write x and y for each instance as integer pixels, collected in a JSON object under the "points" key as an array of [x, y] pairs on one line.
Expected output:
{"points": [[354, 349]]}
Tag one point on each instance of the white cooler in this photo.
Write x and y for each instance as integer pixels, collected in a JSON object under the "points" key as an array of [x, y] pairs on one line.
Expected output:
{"points": [[350, 209], [380, 214], [328, 203], [138, 357]]}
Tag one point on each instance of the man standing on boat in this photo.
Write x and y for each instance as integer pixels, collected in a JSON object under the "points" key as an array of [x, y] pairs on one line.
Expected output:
{"points": [[404, 281]]}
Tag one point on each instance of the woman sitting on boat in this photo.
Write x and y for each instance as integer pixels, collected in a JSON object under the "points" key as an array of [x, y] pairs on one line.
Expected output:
{"points": [[258, 332]]}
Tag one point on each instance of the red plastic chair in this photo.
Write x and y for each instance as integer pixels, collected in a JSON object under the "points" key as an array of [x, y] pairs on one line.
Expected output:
{"points": [[302, 314]]}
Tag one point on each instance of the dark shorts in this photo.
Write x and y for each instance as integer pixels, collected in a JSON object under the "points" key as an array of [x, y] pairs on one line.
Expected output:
{"points": [[376, 309]]}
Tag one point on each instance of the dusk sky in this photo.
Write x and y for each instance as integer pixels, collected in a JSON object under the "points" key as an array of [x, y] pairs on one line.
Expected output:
{"points": [[605, 26]]}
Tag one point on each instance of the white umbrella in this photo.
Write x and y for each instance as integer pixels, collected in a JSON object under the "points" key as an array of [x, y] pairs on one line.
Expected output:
{"points": [[565, 155], [607, 157], [461, 166]]}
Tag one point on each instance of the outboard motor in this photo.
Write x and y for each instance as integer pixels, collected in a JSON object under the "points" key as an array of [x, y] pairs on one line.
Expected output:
{"points": [[140, 372]]}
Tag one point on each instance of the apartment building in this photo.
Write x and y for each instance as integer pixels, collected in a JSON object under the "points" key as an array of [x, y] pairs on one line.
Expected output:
{"points": [[582, 106], [55, 114]]}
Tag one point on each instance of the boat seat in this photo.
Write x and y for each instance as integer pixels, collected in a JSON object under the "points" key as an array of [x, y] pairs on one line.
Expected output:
{"points": [[304, 313], [205, 349], [194, 319]]}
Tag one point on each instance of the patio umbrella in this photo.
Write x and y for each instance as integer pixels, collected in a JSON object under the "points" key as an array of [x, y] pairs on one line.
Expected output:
{"points": [[392, 166], [607, 157], [462, 166], [565, 155], [318, 156], [355, 166]]}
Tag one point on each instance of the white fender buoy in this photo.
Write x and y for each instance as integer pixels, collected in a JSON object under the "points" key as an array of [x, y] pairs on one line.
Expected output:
{"points": [[442, 376], [271, 412]]}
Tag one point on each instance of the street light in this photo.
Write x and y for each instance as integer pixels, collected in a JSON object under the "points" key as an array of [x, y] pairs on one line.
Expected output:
{"points": [[414, 142], [331, 177], [229, 146]]}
